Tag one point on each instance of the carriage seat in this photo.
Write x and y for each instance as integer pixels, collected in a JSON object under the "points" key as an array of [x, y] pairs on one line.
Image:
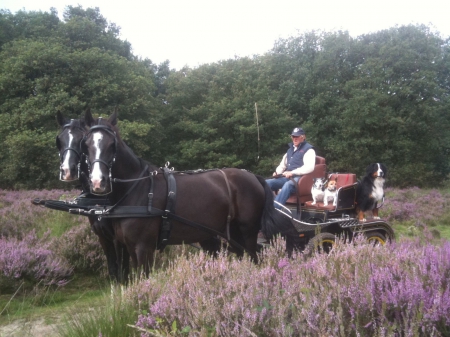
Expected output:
{"points": [[346, 188], [305, 182]]}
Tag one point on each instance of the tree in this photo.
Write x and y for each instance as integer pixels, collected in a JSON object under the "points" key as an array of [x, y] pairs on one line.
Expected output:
{"points": [[214, 106], [87, 28], [39, 76], [392, 111], [27, 25]]}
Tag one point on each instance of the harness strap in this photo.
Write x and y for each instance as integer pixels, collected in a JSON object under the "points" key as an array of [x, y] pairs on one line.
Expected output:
{"points": [[121, 212], [166, 226], [128, 191], [141, 212], [69, 149], [230, 205], [150, 195], [102, 162], [61, 160]]}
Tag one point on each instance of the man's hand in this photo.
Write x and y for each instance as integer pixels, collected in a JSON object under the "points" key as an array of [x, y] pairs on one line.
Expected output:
{"points": [[287, 174]]}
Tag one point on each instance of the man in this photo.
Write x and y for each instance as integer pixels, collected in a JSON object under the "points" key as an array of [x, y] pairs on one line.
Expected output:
{"points": [[299, 160]]}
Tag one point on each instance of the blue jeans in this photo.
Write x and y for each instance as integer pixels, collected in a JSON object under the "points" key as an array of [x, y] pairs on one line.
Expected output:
{"points": [[287, 188]]}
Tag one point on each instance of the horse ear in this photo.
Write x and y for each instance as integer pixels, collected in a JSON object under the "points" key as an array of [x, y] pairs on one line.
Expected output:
{"points": [[113, 118], [89, 120], [60, 118]]}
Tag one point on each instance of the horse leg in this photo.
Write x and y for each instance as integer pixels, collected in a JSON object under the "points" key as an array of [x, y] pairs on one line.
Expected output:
{"points": [[212, 245], [251, 246], [145, 254], [111, 258], [246, 235], [123, 262], [107, 246]]}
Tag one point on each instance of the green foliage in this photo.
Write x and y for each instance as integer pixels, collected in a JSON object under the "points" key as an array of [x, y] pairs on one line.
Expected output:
{"points": [[376, 98], [24, 25], [87, 28], [380, 97], [80, 64], [217, 118], [28, 160]]}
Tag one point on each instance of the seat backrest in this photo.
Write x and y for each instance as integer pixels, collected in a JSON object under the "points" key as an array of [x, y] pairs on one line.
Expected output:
{"points": [[343, 179], [320, 160], [305, 182]]}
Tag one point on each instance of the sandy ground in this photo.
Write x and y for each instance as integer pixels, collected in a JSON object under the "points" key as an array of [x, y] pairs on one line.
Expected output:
{"points": [[23, 328]]}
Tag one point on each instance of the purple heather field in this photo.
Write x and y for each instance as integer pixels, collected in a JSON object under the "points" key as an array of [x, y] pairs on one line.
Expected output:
{"points": [[401, 289]]}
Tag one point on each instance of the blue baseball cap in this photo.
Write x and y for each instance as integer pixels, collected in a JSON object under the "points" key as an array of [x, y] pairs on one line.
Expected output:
{"points": [[297, 132]]}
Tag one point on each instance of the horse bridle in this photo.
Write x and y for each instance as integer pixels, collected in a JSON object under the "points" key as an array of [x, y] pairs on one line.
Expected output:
{"points": [[108, 165], [70, 148]]}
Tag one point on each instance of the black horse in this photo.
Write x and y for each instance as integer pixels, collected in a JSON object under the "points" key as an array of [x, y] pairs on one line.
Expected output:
{"points": [[233, 202], [73, 168]]}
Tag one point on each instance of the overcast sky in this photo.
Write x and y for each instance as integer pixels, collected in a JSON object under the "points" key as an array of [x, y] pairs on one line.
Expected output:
{"points": [[195, 32]]}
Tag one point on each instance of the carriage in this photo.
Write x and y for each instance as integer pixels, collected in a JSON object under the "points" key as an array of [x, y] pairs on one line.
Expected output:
{"points": [[319, 225], [135, 207]]}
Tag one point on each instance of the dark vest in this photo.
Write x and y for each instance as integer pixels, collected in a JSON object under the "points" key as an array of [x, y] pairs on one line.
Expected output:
{"points": [[295, 158]]}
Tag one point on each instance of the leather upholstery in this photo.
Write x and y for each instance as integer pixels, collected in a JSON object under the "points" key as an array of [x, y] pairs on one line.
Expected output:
{"points": [[305, 182]]}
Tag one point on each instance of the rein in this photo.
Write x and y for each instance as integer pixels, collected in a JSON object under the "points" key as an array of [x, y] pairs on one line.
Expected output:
{"points": [[131, 188], [117, 180]]}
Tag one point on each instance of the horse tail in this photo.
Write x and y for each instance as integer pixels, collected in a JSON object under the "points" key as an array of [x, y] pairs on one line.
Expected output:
{"points": [[273, 222]]}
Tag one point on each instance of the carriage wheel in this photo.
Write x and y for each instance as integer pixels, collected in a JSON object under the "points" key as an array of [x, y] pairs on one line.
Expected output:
{"points": [[321, 243], [375, 238]]}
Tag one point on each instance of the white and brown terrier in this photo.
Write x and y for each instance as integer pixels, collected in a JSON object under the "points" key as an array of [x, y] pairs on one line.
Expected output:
{"points": [[317, 190], [330, 193]]}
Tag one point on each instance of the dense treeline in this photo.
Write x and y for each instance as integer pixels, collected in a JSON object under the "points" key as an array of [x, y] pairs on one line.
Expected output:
{"points": [[378, 97]]}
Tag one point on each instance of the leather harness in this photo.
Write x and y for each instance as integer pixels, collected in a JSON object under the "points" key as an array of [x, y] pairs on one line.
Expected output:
{"points": [[117, 211], [169, 213]]}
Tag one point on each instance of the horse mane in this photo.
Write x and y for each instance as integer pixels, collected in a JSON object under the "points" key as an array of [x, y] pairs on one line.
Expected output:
{"points": [[114, 127]]}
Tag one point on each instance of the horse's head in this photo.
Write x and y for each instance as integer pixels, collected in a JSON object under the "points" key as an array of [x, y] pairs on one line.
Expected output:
{"points": [[100, 146], [68, 143]]}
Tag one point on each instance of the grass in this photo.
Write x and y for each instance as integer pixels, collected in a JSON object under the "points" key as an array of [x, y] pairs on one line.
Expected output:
{"points": [[112, 317], [58, 223], [82, 292]]}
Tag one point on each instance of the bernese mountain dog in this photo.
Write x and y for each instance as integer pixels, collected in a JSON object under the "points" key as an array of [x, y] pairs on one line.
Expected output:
{"points": [[370, 190]]}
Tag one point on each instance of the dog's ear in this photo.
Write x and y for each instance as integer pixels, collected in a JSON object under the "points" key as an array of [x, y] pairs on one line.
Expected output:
{"points": [[384, 168], [371, 168]]}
